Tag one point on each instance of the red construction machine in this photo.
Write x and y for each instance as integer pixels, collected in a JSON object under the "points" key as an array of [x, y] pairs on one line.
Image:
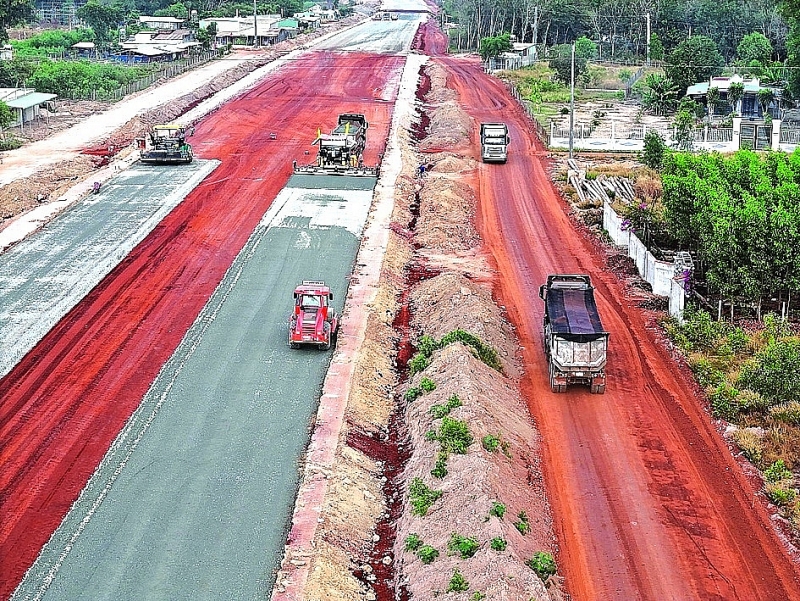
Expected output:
{"points": [[313, 322]]}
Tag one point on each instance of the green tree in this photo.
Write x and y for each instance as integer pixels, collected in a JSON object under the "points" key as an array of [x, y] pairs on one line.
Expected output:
{"points": [[656, 47], [585, 48], [660, 94], [6, 118], [14, 12], [494, 46], [177, 10], [684, 124], [694, 60], [735, 94], [712, 100], [654, 150], [560, 60], [765, 98], [206, 35], [102, 18], [754, 47]]}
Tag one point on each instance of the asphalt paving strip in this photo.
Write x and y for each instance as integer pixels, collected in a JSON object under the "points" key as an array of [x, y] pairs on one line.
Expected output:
{"points": [[72, 254], [184, 515]]}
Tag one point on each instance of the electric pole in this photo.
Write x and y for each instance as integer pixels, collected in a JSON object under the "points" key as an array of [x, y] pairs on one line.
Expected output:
{"points": [[571, 100], [255, 25], [648, 39]]}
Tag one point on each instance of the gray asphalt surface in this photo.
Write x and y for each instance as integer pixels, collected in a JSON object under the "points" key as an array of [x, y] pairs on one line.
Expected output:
{"points": [[194, 498], [47, 274], [380, 37]]}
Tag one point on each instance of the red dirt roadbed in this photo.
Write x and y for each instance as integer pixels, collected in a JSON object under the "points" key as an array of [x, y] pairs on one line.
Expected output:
{"points": [[648, 502], [65, 402]]}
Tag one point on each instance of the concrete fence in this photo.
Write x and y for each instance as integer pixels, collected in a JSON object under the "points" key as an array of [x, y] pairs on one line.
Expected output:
{"points": [[659, 274]]}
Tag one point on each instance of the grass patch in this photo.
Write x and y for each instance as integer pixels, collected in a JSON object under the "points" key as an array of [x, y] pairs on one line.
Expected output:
{"points": [[440, 469], [490, 443], [458, 584], [454, 436], [522, 523], [439, 411], [498, 544], [498, 510], [427, 385]]}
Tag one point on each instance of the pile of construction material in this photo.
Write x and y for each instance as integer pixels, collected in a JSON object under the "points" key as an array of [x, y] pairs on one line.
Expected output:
{"points": [[601, 189]]}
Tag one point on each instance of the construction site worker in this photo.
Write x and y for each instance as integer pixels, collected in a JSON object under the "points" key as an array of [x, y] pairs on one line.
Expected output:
{"points": [[360, 160], [421, 170], [191, 131]]}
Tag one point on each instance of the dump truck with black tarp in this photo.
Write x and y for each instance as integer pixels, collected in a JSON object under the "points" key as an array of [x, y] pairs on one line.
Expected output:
{"points": [[574, 339]]}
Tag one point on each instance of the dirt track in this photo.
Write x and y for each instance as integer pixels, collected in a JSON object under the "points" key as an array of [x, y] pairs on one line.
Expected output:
{"points": [[648, 502], [69, 397]]}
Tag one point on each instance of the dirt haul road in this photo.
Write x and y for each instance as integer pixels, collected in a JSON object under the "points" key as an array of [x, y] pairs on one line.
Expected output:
{"points": [[68, 398], [648, 502]]}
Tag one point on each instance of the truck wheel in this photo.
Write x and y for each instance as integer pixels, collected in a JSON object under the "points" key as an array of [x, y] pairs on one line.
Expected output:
{"points": [[598, 389], [557, 388]]}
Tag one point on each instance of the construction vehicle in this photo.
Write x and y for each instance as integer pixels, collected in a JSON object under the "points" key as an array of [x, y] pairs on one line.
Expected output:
{"points": [[313, 321], [574, 339], [341, 152], [165, 144], [494, 142]]}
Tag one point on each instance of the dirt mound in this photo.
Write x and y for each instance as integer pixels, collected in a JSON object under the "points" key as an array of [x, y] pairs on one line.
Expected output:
{"points": [[444, 162], [474, 482], [447, 209], [449, 125]]}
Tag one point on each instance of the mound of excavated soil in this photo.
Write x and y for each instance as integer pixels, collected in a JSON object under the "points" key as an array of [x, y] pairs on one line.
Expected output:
{"points": [[473, 483], [449, 125], [445, 162], [447, 211]]}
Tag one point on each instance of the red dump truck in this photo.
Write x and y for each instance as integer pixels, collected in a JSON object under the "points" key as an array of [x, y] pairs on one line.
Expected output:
{"points": [[574, 339]]}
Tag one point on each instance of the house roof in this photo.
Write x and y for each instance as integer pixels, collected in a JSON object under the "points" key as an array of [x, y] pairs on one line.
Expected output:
{"points": [[29, 100], [84, 45], [751, 86], [146, 19], [286, 23]]}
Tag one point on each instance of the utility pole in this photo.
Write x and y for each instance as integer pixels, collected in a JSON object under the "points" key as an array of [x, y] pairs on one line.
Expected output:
{"points": [[648, 39], [536, 31], [571, 100], [255, 25]]}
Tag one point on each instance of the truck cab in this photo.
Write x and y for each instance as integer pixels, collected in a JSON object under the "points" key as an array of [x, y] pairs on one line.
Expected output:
{"points": [[575, 341], [494, 142]]}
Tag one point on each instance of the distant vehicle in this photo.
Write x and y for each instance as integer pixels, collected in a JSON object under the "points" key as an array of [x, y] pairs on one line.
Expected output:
{"points": [[313, 321], [166, 144], [394, 17], [575, 342], [494, 142]]}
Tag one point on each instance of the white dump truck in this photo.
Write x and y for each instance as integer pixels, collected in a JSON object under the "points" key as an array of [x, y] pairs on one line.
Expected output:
{"points": [[575, 341], [494, 142]]}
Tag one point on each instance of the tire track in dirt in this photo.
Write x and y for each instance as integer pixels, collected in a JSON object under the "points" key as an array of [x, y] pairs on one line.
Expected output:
{"points": [[68, 398], [648, 502]]}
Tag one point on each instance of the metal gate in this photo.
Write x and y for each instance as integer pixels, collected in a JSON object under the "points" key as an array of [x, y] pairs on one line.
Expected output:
{"points": [[755, 136]]}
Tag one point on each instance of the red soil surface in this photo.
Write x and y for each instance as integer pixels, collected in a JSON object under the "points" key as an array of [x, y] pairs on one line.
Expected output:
{"points": [[648, 502], [65, 402]]}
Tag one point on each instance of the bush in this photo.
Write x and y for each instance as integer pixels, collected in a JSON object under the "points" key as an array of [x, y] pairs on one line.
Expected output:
{"points": [[780, 494], [440, 469], [477, 596], [438, 411], [543, 564], [773, 372], [418, 363], [427, 385], [412, 394], [703, 331], [461, 545], [413, 542], [522, 524], [654, 149], [427, 554], [706, 374], [788, 413], [483, 351], [453, 402], [454, 436], [724, 403], [490, 443], [458, 584], [10, 143], [498, 510], [777, 472], [498, 544], [427, 345], [422, 497]]}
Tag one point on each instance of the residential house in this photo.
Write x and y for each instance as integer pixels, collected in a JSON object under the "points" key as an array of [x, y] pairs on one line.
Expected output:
{"points": [[161, 23], [160, 45], [26, 103], [6, 52], [85, 49], [241, 31], [749, 106]]}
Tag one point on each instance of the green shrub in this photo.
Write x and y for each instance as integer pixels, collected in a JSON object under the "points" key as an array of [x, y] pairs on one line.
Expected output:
{"points": [[701, 330], [418, 363], [706, 374], [490, 443], [543, 564], [440, 469], [427, 384], [438, 411], [788, 413], [777, 472], [724, 403], [431, 435], [413, 542], [427, 554], [780, 494], [10, 143], [738, 340], [654, 150], [454, 436], [453, 402], [464, 546], [522, 524], [498, 544], [412, 394], [458, 584], [498, 510], [773, 372], [483, 351], [477, 596], [422, 497], [749, 400], [427, 345]]}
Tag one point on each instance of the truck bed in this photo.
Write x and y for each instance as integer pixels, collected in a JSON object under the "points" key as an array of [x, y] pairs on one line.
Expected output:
{"points": [[573, 314]]}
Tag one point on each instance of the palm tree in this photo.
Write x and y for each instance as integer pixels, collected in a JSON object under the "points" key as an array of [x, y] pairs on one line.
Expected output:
{"points": [[712, 98], [735, 93], [765, 98]]}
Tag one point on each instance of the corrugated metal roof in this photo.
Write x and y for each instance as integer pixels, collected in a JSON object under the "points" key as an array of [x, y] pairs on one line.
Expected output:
{"points": [[29, 100]]}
